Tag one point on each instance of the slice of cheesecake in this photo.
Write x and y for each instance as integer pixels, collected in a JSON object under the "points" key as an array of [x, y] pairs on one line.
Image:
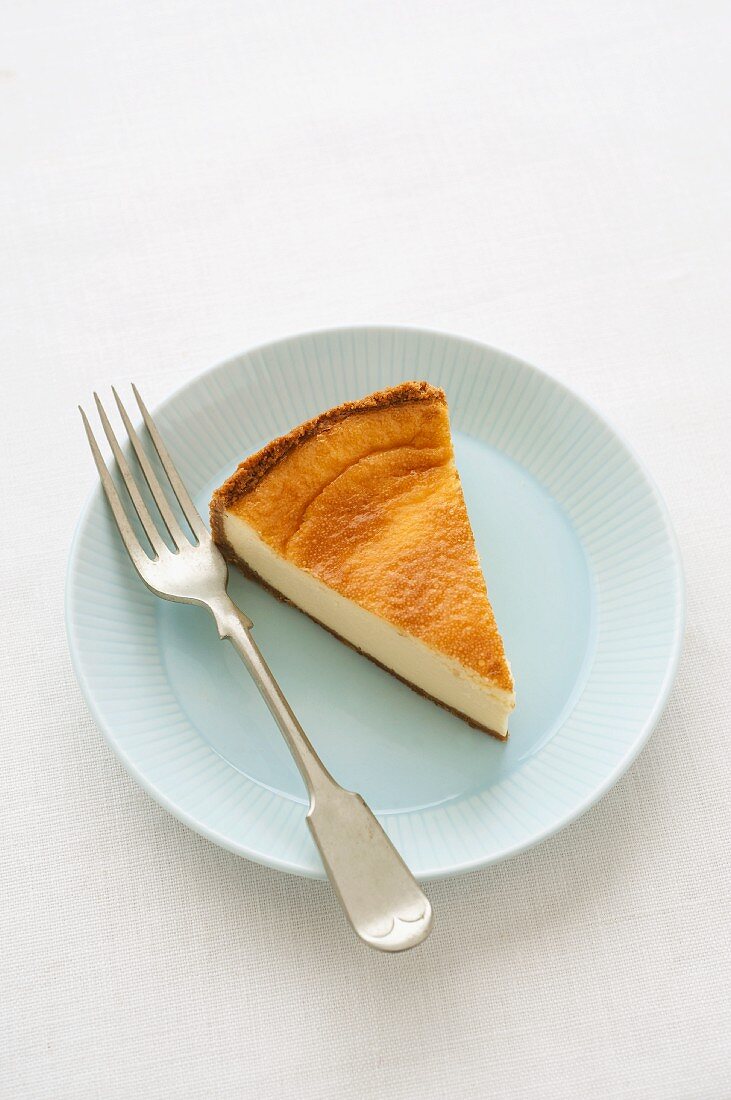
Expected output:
{"points": [[357, 517]]}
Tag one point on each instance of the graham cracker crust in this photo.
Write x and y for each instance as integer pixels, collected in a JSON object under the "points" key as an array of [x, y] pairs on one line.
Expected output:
{"points": [[231, 556], [250, 472]]}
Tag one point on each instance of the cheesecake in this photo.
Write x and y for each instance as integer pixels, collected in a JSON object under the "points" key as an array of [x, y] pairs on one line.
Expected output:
{"points": [[357, 517]]}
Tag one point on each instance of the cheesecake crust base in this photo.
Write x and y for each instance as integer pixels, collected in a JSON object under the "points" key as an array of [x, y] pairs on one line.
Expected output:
{"points": [[232, 556]]}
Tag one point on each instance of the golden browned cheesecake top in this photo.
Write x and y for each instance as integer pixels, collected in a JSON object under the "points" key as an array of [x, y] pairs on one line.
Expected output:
{"points": [[367, 498]]}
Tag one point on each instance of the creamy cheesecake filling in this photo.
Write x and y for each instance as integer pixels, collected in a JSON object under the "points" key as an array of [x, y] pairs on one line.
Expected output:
{"points": [[433, 673]]}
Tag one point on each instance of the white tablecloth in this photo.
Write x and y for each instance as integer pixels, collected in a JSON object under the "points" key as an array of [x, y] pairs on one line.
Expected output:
{"points": [[183, 180]]}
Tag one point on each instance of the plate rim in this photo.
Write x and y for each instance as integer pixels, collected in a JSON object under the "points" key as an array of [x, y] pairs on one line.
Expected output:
{"points": [[466, 866]]}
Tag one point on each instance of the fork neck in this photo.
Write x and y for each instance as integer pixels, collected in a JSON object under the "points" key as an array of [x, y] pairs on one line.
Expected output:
{"points": [[233, 624]]}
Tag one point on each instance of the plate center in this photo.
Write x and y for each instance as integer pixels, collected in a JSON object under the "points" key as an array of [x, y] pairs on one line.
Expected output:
{"points": [[376, 735]]}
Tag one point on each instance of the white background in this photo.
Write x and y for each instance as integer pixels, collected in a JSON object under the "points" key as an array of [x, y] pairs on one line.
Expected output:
{"points": [[182, 180]]}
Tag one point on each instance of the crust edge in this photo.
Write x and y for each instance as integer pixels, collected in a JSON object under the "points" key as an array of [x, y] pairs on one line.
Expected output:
{"points": [[249, 473], [231, 556]]}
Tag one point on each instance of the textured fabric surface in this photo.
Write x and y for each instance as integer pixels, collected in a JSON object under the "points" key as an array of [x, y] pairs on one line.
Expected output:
{"points": [[181, 181]]}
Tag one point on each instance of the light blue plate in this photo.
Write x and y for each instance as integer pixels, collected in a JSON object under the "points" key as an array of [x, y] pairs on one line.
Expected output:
{"points": [[583, 573]]}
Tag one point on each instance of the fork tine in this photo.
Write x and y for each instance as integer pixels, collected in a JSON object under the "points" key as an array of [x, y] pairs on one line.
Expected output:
{"points": [[129, 538], [130, 484], [176, 532], [189, 509]]}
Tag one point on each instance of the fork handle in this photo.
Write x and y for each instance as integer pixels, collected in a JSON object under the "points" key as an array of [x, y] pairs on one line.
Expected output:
{"points": [[381, 898]]}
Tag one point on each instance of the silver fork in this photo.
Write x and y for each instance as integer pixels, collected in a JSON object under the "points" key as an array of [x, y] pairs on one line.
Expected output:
{"points": [[380, 896]]}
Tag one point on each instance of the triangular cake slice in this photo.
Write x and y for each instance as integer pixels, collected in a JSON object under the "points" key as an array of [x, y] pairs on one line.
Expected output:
{"points": [[357, 517]]}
